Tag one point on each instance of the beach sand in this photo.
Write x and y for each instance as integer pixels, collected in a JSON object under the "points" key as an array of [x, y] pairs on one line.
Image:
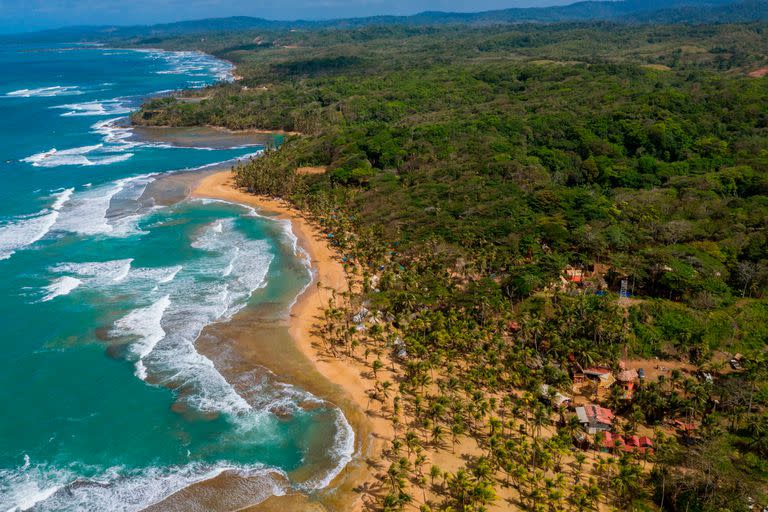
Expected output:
{"points": [[203, 137], [344, 382], [291, 350]]}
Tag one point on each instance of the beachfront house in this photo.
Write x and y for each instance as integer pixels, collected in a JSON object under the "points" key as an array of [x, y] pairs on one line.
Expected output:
{"points": [[594, 418]]}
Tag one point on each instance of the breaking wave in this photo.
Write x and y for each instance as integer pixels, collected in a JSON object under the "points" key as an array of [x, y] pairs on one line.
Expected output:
{"points": [[87, 211], [82, 156], [170, 306], [46, 92], [61, 286], [95, 108], [23, 231], [162, 334], [195, 64], [47, 488]]}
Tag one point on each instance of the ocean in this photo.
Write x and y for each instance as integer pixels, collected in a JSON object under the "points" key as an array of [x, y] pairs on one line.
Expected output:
{"points": [[111, 275]]}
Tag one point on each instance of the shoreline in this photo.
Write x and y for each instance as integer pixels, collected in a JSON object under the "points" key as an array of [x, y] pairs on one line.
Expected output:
{"points": [[234, 78], [217, 128], [346, 491], [346, 376]]}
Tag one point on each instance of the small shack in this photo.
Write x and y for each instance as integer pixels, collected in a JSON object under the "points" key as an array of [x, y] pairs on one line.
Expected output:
{"points": [[554, 397], [602, 376], [627, 379]]}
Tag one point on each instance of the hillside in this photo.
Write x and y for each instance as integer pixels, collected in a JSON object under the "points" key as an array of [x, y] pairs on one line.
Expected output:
{"points": [[622, 11], [531, 205]]}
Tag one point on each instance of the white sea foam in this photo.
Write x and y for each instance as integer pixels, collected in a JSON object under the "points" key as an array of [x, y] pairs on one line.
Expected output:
{"points": [[106, 275], [82, 156], [343, 448], [113, 133], [86, 212], [61, 286], [100, 272], [251, 155], [144, 324], [46, 488], [298, 250], [162, 335], [170, 276], [116, 135], [267, 393], [95, 108], [209, 200], [61, 198], [22, 232], [123, 272], [39, 159], [112, 159], [28, 494], [245, 261], [176, 362], [195, 64], [202, 297], [46, 92], [195, 299], [26, 230], [276, 396], [228, 269]]}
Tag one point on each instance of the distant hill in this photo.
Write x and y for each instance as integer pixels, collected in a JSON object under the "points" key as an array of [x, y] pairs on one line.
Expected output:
{"points": [[88, 33], [580, 11], [630, 11], [744, 11]]}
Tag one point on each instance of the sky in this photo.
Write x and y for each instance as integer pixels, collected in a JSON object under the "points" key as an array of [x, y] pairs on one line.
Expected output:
{"points": [[29, 15]]}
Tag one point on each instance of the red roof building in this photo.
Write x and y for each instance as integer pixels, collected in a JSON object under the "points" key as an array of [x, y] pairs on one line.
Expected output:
{"points": [[629, 444], [611, 441], [595, 418]]}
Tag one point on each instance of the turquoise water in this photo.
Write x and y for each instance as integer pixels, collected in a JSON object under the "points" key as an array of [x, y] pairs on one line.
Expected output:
{"points": [[106, 404]]}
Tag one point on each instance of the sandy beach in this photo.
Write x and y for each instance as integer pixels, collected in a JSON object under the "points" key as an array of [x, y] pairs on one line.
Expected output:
{"points": [[347, 380]]}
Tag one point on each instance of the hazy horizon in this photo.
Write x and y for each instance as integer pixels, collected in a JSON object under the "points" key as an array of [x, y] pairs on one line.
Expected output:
{"points": [[17, 16]]}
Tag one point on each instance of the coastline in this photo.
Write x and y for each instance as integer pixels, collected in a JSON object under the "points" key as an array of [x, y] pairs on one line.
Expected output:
{"points": [[346, 379], [345, 383], [107, 213]]}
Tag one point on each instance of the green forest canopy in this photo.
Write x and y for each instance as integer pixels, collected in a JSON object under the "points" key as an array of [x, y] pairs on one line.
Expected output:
{"points": [[506, 154]]}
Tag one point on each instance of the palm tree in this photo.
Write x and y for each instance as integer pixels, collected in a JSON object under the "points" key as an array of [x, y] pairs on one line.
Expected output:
{"points": [[377, 365], [437, 435], [540, 419], [384, 388], [580, 458], [579, 499], [593, 493], [457, 430], [434, 472], [626, 481], [758, 429], [411, 441]]}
